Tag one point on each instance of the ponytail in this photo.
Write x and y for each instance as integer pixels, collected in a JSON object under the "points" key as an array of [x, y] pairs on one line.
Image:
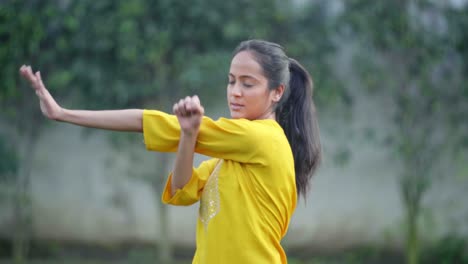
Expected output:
{"points": [[298, 118], [295, 112]]}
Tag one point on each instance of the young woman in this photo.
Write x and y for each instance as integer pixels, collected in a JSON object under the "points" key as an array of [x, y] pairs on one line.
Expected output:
{"points": [[262, 158]]}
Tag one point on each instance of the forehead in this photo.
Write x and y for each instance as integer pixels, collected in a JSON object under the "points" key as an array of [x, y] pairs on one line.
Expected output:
{"points": [[244, 63]]}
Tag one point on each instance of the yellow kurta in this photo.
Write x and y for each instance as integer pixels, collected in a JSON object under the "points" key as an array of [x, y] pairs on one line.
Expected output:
{"points": [[247, 192]]}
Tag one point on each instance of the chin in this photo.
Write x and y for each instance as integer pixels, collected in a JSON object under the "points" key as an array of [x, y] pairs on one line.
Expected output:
{"points": [[236, 115]]}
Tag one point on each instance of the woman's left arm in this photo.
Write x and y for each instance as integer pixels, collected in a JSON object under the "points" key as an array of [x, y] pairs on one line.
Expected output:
{"points": [[239, 140]]}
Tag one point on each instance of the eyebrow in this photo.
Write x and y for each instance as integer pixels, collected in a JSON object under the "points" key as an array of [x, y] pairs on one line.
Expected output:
{"points": [[243, 76]]}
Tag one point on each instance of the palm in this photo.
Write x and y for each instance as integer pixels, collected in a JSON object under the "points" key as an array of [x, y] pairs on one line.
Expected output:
{"points": [[46, 108], [49, 107]]}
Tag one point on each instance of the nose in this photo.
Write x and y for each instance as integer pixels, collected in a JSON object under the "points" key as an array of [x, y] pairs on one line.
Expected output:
{"points": [[235, 90]]}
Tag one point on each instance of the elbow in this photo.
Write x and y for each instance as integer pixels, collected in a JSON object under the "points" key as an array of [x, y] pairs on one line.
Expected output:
{"points": [[138, 125], [173, 191], [175, 187]]}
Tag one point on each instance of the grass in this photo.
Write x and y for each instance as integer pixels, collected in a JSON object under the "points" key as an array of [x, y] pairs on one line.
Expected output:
{"points": [[56, 253]]}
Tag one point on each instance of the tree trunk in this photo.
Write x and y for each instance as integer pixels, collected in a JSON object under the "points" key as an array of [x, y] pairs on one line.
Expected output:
{"points": [[21, 226], [412, 188], [412, 238], [164, 241], [22, 202]]}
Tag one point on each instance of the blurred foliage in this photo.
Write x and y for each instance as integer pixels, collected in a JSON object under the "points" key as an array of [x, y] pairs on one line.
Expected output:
{"points": [[120, 53], [116, 54], [309, 37], [414, 55], [8, 169], [448, 250], [8, 165], [415, 52]]}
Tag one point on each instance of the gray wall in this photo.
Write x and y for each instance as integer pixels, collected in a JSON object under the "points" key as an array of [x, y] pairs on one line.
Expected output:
{"points": [[83, 190]]}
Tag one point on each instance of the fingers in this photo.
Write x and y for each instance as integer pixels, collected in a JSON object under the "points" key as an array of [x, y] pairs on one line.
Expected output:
{"points": [[195, 105], [39, 78], [188, 106], [34, 79], [26, 72], [180, 108]]}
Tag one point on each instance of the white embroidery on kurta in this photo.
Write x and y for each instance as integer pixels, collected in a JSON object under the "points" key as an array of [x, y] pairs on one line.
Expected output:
{"points": [[209, 202]]}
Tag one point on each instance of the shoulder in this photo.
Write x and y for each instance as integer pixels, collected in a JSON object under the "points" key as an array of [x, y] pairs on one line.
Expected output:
{"points": [[267, 125]]}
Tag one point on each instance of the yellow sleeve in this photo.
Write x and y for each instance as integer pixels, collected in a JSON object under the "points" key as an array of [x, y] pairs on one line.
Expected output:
{"points": [[192, 191], [230, 139]]}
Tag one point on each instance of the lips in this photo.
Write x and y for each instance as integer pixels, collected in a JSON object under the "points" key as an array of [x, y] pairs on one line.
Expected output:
{"points": [[236, 107]]}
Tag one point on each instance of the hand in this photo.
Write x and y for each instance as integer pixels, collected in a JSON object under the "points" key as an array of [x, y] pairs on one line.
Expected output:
{"points": [[189, 112], [49, 107]]}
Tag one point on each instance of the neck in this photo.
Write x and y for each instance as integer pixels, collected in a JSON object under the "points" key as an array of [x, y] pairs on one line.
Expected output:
{"points": [[269, 115]]}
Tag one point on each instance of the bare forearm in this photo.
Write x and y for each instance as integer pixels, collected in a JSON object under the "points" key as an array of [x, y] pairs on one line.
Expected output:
{"points": [[184, 162], [119, 120]]}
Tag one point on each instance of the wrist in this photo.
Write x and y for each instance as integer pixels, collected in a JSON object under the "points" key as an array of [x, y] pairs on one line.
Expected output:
{"points": [[61, 115], [189, 135]]}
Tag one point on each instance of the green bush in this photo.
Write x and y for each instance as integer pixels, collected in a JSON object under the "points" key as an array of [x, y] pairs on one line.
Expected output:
{"points": [[448, 250]]}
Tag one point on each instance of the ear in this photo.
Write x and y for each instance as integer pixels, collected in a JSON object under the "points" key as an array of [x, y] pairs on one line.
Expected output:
{"points": [[277, 93]]}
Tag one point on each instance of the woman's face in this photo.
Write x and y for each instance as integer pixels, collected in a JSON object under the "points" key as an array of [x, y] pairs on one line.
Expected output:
{"points": [[247, 91]]}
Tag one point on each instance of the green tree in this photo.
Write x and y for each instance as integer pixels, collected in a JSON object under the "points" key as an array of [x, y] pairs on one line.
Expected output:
{"points": [[406, 56], [8, 169], [114, 54], [20, 33]]}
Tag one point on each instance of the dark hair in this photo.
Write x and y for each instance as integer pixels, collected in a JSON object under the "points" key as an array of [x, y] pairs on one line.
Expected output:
{"points": [[295, 111]]}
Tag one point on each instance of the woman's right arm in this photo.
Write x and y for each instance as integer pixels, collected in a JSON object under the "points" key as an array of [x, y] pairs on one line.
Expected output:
{"points": [[189, 113], [119, 120]]}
